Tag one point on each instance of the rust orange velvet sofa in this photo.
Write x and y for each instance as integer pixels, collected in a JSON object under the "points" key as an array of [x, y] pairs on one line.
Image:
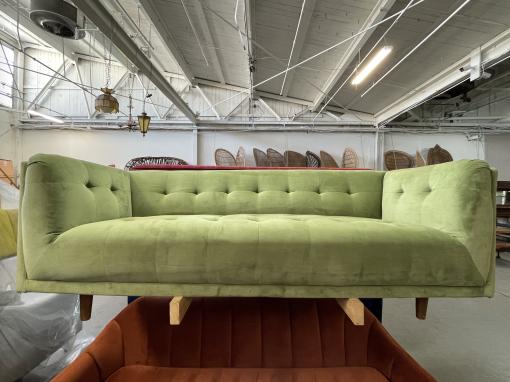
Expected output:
{"points": [[225, 339]]}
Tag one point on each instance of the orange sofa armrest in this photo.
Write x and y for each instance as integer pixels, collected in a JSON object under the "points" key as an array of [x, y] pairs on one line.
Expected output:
{"points": [[387, 356], [99, 361]]}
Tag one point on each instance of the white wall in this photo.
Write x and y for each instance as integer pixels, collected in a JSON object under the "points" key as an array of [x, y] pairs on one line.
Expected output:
{"points": [[118, 147], [6, 137], [108, 147], [497, 153], [457, 144], [333, 143]]}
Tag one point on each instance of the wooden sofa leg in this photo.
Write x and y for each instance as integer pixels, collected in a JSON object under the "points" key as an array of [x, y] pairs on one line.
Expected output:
{"points": [[85, 307], [421, 308], [354, 309], [178, 308]]}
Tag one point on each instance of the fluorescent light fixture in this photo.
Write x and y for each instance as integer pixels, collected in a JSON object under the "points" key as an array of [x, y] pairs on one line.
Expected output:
{"points": [[49, 117], [372, 64]]}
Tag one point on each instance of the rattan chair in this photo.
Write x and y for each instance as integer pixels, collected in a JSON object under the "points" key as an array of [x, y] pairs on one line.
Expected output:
{"points": [[275, 158], [152, 160], [241, 157], [261, 159], [420, 160], [313, 160], [438, 155], [224, 158], [396, 160], [328, 161], [350, 159], [294, 159]]}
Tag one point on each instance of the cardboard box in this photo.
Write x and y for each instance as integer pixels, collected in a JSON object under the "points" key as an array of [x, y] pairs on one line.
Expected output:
{"points": [[6, 171]]}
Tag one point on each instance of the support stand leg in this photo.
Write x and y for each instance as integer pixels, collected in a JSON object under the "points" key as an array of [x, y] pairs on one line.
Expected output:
{"points": [[85, 307], [421, 308], [354, 309], [178, 308]]}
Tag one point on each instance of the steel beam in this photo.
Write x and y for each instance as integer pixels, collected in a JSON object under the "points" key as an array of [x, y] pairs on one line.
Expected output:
{"points": [[186, 88], [85, 95], [50, 82], [208, 102], [146, 92], [493, 51], [377, 14], [231, 112], [151, 13], [204, 29], [98, 14], [299, 39], [270, 109]]}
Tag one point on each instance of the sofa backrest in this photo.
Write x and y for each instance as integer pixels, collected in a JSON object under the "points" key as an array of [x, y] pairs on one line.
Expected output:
{"points": [[306, 192]]}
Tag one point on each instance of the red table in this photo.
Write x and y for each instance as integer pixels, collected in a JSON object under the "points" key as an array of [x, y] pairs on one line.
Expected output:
{"points": [[173, 167]]}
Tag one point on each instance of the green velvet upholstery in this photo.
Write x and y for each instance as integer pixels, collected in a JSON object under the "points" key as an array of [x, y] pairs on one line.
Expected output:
{"points": [[91, 229]]}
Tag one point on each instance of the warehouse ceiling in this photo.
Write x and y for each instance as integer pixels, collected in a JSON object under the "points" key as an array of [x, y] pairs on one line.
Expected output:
{"points": [[249, 45], [287, 30]]}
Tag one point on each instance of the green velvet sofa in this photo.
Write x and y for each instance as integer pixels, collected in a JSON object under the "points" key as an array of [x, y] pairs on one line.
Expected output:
{"points": [[423, 232]]}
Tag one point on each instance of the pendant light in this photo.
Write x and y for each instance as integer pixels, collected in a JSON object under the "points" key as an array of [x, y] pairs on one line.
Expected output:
{"points": [[106, 102], [143, 119]]}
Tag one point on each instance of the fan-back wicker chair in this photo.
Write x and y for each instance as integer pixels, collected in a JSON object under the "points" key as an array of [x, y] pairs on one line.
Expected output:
{"points": [[438, 155], [420, 160], [275, 158], [328, 161], [350, 159], [224, 158], [313, 159], [396, 160], [261, 159], [294, 159], [241, 157], [152, 160]]}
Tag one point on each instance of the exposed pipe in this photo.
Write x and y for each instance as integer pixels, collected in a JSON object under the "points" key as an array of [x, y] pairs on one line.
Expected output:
{"points": [[312, 57], [136, 26], [417, 46], [195, 32], [368, 54], [237, 25], [293, 44]]}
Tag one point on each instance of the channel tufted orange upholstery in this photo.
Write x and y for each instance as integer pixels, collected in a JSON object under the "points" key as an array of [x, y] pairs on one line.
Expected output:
{"points": [[243, 340]]}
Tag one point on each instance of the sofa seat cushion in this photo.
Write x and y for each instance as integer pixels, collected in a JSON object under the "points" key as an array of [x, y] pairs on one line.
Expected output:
{"points": [[140, 373], [299, 250]]}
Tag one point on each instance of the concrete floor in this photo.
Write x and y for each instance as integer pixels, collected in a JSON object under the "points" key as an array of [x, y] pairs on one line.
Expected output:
{"points": [[462, 340]]}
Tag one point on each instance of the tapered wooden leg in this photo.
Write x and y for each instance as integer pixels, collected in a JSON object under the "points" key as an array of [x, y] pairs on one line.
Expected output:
{"points": [[421, 308], [354, 309], [85, 306], [178, 308]]}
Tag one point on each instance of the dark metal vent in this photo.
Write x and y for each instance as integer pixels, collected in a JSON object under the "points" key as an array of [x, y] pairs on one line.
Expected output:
{"points": [[56, 17]]}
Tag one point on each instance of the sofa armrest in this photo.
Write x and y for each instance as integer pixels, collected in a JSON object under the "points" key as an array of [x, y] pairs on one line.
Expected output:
{"points": [[457, 198], [59, 193], [391, 360], [99, 361]]}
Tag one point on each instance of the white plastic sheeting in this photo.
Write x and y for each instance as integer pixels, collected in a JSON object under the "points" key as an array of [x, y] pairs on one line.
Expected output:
{"points": [[37, 330], [9, 197]]}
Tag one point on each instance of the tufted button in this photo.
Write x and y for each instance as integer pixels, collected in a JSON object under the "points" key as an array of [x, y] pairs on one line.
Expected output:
{"points": [[113, 189]]}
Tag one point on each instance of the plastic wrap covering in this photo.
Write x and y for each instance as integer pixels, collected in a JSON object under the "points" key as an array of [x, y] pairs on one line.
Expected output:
{"points": [[33, 326], [9, 196]]}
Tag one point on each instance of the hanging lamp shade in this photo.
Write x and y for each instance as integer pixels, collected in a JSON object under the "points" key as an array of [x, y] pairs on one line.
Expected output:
{"points": [[106, 102], [143, 121]]}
